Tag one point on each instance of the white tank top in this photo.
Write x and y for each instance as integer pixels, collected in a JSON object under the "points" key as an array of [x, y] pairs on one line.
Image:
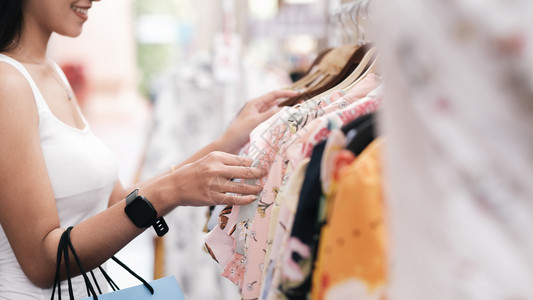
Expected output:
{"points": [[82, 171]]}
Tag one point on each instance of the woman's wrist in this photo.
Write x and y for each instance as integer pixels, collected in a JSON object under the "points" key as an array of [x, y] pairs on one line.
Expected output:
{"points": [[161, 194], [226, 143]]}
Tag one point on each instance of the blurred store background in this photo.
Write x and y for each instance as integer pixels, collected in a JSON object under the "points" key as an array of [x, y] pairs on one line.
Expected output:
{"points": [[159, 79]]}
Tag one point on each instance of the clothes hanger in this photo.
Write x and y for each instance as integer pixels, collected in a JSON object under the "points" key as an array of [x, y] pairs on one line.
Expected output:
{"points": [[346, 29], [357, 75], [315, 72], [351, 22], [362, 69], [348, 18], [373, 68], [312, 69], [349, 66], [331, 65], [367, 64], [354, 71]]}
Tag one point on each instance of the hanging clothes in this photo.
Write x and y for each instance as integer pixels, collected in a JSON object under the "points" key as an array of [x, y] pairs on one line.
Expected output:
{"points": [[458, 116], [299, 258], [337, 90], [352, 259], [457, 161], [265, 142], [301, 145]]}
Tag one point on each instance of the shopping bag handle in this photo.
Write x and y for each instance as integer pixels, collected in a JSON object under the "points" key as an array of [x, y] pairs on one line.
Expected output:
{"points": [[145, 283], [63, 247], [62, 252]]}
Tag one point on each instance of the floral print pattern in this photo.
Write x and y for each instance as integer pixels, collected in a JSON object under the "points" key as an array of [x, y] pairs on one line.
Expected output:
{"points": [[353, 245], [257, 249]]}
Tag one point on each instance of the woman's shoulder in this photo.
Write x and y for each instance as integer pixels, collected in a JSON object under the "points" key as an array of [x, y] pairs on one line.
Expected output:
{"points": [[16, 95], [11, 78]]}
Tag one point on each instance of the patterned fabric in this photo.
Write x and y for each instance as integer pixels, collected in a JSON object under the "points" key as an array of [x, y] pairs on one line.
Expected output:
{"points": [[315, 132], [352, 262], [221, 236], [259, 221], [235, 269], [265, 142], [299, 258], [335, 143], [458, 118], [289, 195], [333, 115], [279, 234]]}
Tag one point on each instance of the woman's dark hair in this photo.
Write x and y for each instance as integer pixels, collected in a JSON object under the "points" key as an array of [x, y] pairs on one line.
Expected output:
{"points": [[10, 23]]}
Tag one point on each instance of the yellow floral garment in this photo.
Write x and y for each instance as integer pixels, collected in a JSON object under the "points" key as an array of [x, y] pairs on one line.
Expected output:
{"points": [[352, 262]]}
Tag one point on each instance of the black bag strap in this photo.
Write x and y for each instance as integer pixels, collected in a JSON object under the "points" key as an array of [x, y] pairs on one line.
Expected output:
{"points": [[63, 252], [96, 282], [57, 281], [113, 285], [146, 284], [80, 267]]}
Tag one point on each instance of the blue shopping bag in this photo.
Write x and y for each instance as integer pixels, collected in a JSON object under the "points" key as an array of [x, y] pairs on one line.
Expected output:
{"points": [[166, 288]]}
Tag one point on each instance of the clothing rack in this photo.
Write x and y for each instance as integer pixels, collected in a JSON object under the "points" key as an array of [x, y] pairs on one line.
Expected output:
{"points": [[261, 246], [348, 22]]}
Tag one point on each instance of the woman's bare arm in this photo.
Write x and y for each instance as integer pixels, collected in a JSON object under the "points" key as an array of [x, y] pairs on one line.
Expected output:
{"points": [[29, 213], [253, 113]]}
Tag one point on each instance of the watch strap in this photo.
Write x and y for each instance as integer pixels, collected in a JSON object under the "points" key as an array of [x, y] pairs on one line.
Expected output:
{"points": [[160, 226]]}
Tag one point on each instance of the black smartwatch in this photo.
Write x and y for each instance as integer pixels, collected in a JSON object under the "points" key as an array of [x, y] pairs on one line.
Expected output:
{"points": [[143, 214]]}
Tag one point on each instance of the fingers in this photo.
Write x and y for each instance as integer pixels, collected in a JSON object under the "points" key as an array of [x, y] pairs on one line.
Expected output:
{"points": [[240, 188], [233, 166], [269, 113], [274, 95], [232, 172], [239, 167], [231, 159], [234, 193], [224, 167], [232, 199], [284, 94], [273, 98]]}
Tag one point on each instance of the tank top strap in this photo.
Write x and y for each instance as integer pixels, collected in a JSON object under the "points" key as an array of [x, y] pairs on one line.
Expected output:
{"points": [[67, 83], [39, 99], [61, 74]]}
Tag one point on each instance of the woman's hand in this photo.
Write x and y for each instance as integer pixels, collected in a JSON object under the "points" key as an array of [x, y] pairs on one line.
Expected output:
{"points": [[207, 180], [254, 112]]}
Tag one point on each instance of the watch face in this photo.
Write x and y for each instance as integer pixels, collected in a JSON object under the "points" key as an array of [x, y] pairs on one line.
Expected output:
{"points": [[141, 212]]}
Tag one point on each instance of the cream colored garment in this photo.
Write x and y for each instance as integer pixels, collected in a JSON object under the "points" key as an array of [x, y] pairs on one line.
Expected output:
{"points": [[458, 118]]}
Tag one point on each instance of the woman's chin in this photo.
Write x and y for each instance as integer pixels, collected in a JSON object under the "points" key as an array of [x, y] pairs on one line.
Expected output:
{"points": [[71, 32]]}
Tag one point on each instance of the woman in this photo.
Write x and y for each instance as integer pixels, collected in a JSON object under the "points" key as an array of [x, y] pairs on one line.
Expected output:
{"points": [[54, 173]]}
